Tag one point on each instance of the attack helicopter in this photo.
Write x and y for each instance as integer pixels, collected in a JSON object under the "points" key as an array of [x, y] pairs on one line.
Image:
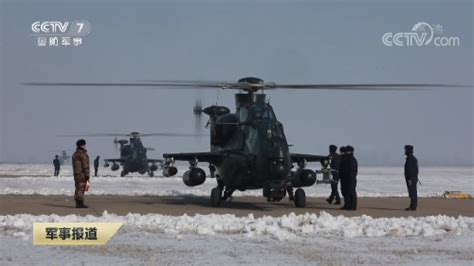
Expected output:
{"points": [[248, 148], [133, 157]]}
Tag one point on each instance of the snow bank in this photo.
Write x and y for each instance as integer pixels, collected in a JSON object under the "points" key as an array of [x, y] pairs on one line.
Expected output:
{"points": [[287, 227]]}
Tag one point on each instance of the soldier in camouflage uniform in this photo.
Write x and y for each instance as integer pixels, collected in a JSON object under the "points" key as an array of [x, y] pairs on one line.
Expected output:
{"points": [[80, 166]]}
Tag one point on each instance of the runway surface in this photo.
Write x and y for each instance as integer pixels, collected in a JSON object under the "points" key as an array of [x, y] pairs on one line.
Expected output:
{"points": [[240, 206]]}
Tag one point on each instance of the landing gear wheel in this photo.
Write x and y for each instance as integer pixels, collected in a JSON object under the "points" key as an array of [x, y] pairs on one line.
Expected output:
{"points": [[123, 173], [150, 173], [300, 198], [216, 197]]}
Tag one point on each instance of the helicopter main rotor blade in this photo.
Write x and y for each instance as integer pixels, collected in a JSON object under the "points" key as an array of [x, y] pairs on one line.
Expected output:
{"points": [[273, 85], [163, 134], [118, 84], [203, 84], [383, 86], [149, 84], [168, 84]]}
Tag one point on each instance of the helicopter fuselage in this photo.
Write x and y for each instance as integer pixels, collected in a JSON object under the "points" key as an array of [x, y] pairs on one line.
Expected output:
{"points": [[255, 147], [134, 157], [249, 150]]}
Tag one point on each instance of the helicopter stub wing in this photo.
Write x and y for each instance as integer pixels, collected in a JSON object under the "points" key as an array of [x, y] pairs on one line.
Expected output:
{"points": [[113, 160], [299, 157], [211, 157], [155, 161]]}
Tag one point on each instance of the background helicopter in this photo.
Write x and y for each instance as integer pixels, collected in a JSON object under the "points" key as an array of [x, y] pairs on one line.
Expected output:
{"points": [[63, 157], [249, 149], [133, 154]]}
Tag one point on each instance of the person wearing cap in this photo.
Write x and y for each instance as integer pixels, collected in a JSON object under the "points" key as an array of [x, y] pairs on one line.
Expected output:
{"points": [[57, 165], [411, 177], [351, 168], [335, 162], [96, 165], [81, 170], [343, 175]]}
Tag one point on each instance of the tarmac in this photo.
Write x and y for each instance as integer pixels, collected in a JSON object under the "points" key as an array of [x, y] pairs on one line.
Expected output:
{"points": [[240, 206]]}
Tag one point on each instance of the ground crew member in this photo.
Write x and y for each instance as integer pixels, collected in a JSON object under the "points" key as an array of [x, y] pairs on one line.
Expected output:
{"points": [[57, 165], [80, 166], [343, 176], [96, 165], [411, 177], [212, 170], [351, 170], [335, 163]]}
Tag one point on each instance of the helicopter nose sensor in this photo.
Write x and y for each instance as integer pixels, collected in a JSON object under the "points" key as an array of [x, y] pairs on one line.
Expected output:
{"points": [[279, 169]]}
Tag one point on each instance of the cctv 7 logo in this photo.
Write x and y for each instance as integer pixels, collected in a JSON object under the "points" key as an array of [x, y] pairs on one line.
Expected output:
{"points": [[80, 25]]}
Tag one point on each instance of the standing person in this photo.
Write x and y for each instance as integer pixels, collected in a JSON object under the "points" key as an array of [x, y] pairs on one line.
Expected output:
{"points": [[343, 176], [335, 163], [411, 177], [351, 168], [57, 165], [96, 165], [80, 166], [212, 170]]}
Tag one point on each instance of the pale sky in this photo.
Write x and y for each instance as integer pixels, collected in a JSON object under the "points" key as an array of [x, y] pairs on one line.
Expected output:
{"points": [[283, 41]]}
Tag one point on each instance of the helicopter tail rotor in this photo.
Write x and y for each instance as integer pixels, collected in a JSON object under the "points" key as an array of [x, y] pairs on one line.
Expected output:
{"points": [[116, 143], [197, 111]]}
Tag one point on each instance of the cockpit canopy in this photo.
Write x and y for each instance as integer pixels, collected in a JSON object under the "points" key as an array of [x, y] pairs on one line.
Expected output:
{"points": [[224, 128], [256, 112]]}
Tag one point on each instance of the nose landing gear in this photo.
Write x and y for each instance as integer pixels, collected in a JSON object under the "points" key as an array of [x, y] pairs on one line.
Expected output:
{"points": [[300, 198], [216, 197], [216, 193]]}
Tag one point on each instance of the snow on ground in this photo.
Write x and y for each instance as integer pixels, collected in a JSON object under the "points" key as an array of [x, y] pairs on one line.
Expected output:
{"points": [[227, 239], [286, 227], [308, 238], [372, 182]]}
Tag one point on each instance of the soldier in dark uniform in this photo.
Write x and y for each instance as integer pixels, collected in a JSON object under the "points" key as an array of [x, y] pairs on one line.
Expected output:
{"points": [[351, 171], [343, 176], [80, 166], [335, 162], [96, 165], [212, 170], [57, 165], [411, 177]]}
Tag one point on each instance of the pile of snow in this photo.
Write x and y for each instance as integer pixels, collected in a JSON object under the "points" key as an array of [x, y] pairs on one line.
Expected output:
{"points": [[287, 227]]}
